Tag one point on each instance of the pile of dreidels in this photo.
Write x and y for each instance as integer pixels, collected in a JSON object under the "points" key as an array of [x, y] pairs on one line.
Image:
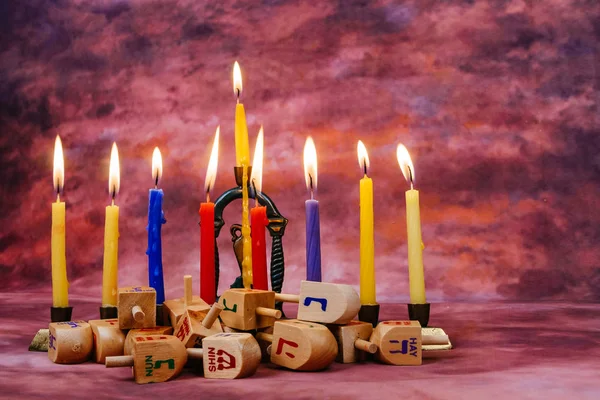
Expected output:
{"points": [[235, 334]]}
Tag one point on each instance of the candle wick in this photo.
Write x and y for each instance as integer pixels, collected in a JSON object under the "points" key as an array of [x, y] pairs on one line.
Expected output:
{"points": [[58, 196], [113, 195], [208, 196], [239, 92], [411, 186], [310, 179], [410, 176], [255, 193], [365, 167], [156, 182]]}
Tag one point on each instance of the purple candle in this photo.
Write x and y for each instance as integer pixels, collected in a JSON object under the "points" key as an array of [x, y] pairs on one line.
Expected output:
{"points": [[313, 227]]}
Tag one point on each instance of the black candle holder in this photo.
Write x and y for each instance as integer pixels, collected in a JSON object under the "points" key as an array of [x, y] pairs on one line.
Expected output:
{"points": [[369, 313], [276, 227], [108, 312], [41, 338], [419, 312]]}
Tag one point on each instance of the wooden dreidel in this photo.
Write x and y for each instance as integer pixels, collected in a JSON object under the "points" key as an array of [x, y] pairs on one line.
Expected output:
{"points": [[175, 308], [108, 339], [137, 307], [154, 358], [70, 342], [228, 355], [353, 341], [130, 338], [398, 342], [301, 345], [328, 303], [196, 324], [248, 309]]}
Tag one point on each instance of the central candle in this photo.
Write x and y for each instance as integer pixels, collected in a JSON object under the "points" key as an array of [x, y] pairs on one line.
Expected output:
{"points": [[60, 284], [111, 235], [313, 229], [242, 154], [367, 242], [208, 286], [258, 217], [156, 218]]}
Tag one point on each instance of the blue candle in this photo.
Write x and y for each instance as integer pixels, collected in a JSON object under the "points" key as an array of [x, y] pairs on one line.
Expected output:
{"points": [[156, 218], [313, 241], [313, 230]]}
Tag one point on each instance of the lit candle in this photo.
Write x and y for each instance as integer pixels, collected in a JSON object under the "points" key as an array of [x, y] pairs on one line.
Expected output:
{"points": [[156, 218], [242, 154], [258, 216], [367, 243], [313, 230], [208, 286], [413, 226], [111, 235], [60, 285]]}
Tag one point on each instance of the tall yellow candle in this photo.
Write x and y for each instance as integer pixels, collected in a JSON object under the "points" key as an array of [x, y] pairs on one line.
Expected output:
{"points": [[413, 225], [60, 284], [111, 236], [242, 156], [367, 242]]}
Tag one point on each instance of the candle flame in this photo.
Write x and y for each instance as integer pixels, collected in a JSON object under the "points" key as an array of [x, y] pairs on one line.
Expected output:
{"points": [[157, 166], [310, 164], [257, 164], [58, 172], [406, 165], [211, 171], [237, 79], [363, 156], [114, 174]]}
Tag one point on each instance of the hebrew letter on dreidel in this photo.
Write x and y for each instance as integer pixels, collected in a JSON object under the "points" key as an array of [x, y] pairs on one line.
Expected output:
{"points": [[309, 300], [223, 363], [282, 342], [338, 303]]}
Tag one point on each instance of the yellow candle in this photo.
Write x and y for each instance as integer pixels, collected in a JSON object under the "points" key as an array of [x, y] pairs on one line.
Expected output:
{"points": [[111, 236], [413, 228], [415, 248], [60, 284], [367, 243], [242, 157]]}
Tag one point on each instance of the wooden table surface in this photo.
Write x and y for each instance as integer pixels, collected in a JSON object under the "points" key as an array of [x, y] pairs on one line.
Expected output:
{"points": [[501, 350]]}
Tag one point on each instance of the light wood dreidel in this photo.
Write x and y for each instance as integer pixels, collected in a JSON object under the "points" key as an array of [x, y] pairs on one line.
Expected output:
{"points": [[353, 341], [301, 345], [70, 342], [398, 342], [154, 358], [228, 355], [196, 324], [130, 338], [137, 307], [328, 303], [109, 340], [175, 308], [247, 309]]}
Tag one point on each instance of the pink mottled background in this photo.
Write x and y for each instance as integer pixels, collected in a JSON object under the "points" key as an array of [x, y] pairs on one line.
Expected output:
{"points": [[497, 101]]}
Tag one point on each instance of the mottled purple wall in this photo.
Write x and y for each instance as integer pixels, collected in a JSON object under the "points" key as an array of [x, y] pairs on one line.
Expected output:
{"points": [[496, 100]]}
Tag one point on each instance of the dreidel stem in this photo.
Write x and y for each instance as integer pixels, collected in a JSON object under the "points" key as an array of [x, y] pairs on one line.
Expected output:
{"points": [[119, 361], [268, 312], [287, 298], [187, 290], [267, 337], [195, 354], [365, 345], [212, 315], [138, 313]]}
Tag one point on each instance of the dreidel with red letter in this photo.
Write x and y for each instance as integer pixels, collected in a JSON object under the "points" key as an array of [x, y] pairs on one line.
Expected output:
{"points": [[174, 309], [353, 341], [154, 358], [196, 324], [228, 355], [136, 307], [70, 342], [130, 338], [301, 345], [328, 303], [109, 340], [248, 309], [398, 342]]}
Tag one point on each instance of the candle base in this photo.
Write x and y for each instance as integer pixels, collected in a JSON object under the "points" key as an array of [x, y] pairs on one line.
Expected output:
{"points": [[160, 315], [108, 312], [419, 312], [369, 313], [60, 314], [238, 172]]}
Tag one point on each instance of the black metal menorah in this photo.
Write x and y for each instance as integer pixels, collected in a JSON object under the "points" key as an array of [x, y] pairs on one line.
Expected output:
{"points": [[276, 227]]}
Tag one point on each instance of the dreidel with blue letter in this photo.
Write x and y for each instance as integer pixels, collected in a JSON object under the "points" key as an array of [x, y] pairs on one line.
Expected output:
{"points": [[398, 342]]}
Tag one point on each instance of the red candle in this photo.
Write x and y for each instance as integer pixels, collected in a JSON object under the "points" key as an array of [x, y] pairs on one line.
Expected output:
{"points": [[258, 218], [208, 286], [208, 290]]}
